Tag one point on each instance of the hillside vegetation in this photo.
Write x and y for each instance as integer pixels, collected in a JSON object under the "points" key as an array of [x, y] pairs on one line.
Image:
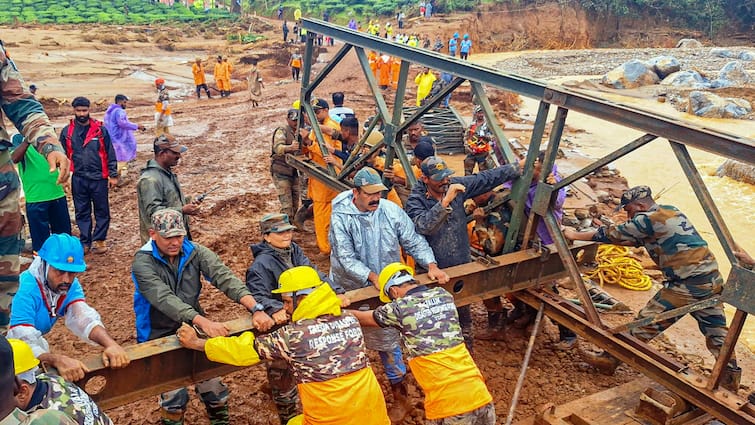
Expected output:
{"points": [[104, 12]]}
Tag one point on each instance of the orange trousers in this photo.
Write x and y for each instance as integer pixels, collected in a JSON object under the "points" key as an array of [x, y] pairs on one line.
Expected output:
{"points": [[322, 212]]}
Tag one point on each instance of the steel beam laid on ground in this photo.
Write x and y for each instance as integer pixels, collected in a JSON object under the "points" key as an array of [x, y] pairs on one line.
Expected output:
{"points": [[162, 364]]}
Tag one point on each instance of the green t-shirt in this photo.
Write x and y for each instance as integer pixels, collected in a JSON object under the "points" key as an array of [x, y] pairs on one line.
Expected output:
{"points": [[39, 184]]}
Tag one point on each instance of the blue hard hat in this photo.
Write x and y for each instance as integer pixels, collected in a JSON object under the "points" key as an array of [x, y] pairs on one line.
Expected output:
{"points": [[466, 36], [456, 35], [64, 252]]}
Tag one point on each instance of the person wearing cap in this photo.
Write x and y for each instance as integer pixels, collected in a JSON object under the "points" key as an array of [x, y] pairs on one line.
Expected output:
{"points": [[366, 234], [10, 414], [95, 170], [46, 391], [320, 193], [163, 113], [275, 254], [31, 121], [436, 205], [121, 132], [167, 273], [396, 174], [477, 144], [323, 346], [49, 290], [427, 321], [689, 268], [200, 80], [46, 204], [286, 178], [158, 186], [424, 81]]}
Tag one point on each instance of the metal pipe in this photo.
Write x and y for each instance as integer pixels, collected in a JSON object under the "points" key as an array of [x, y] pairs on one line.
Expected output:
{"points": [[525, 365]]}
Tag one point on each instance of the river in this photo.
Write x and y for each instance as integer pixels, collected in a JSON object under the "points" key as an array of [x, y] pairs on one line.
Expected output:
{"points": [[655, 165]]}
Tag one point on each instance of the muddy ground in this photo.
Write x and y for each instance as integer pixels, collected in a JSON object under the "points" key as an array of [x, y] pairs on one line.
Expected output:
{"points": [[229, 144]]}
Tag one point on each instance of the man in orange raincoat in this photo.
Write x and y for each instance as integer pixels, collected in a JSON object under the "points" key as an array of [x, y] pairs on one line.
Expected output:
{"points": [[221, 76], [197, 71]]}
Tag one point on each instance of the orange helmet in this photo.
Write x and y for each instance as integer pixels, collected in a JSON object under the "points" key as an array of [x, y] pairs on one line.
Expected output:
{"points": [[159, 81]]}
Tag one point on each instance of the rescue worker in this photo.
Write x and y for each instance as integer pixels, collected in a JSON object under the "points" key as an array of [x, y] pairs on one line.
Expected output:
{"points": [[163, 113], [31, 121], [690, 270], [295, 63], [10, 414], [95, 170], [167, 277], [49, 290], [384, 63], [465, 47], [158, 186], [366, 234], [227, 75], [46, 205], [453, 44], [320, 194], [436, 205], [323, 346], [477, 144], [200, 82], [372, 58], [219, 73], [275, 254], [285, 177], [395, 70], [455, 390], [47, 391], [424, 81], [121, 132]]}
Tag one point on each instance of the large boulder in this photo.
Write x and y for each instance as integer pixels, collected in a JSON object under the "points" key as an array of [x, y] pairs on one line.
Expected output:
{"points": [[747, 56], [732, 74], [722, 52], [665, 65], [630, 75], [737, 171], [688, 43], [686, 79], [709, 105]]}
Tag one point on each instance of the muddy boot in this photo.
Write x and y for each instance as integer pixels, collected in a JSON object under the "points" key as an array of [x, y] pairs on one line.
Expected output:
{"points": [[604, 362], [401, 406], [496, 330], [730, 378], [302, 214], [168, 417], [218, 415]]}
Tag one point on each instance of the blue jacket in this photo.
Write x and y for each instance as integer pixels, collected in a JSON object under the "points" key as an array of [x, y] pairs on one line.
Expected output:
{"points": [[262, 276], [30, 307], [446, 231]]}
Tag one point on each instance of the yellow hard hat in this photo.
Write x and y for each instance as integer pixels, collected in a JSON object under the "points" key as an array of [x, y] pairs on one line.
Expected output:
{"points": [[298, 279], [23, 357], [393, 274]]}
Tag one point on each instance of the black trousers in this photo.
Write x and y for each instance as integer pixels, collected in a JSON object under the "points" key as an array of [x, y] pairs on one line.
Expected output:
{"points": [[90, 197]]}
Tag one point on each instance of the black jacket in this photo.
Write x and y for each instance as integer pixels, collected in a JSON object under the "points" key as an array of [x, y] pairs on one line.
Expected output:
{"points": [[262, 276], [89, 149]]}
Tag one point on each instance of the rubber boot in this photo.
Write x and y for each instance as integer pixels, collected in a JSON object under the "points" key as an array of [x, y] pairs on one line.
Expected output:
{"points": [[401, 406], [168, 417], [604, 362], [496, 330], [218, 415], [730, 378]]}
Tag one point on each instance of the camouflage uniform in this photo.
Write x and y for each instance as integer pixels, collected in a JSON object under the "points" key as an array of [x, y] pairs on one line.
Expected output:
{"points": [[429, 326], [285, 177], [27, 115], [66, 397], [690, 269], [283, 389], [40, 417]]}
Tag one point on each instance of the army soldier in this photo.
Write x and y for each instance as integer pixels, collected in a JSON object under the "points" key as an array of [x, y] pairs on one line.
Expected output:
{"points": [[323, 346], [286, 177], [455, 391]]}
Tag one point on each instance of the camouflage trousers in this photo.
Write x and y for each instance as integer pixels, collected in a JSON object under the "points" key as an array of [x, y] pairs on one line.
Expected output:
{"points": [[289, 193], [484, 415], [711, 320], [283, 388], [10, 237], [483, 160], [213, 393]]}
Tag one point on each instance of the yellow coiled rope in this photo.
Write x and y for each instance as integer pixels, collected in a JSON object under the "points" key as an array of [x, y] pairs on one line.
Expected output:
{"points": [[617, 267]]}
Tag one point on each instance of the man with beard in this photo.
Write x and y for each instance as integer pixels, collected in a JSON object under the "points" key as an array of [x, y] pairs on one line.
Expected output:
{"points": [[367, 233], [158, 186], [275, 254], [121, 132], [94, 167], [49, 290], [436, 205]]}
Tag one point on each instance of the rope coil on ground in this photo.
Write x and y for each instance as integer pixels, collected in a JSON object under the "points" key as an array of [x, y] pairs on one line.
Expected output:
{"points": [[615, 266]]}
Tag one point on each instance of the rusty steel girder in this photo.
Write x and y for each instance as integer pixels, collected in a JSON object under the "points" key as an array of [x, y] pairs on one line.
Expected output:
{"points": [[162, 364]]}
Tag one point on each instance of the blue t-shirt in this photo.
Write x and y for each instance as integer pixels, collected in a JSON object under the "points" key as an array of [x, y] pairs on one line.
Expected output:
{"points": [[465, 46], [452, 45], [30, 307]]}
